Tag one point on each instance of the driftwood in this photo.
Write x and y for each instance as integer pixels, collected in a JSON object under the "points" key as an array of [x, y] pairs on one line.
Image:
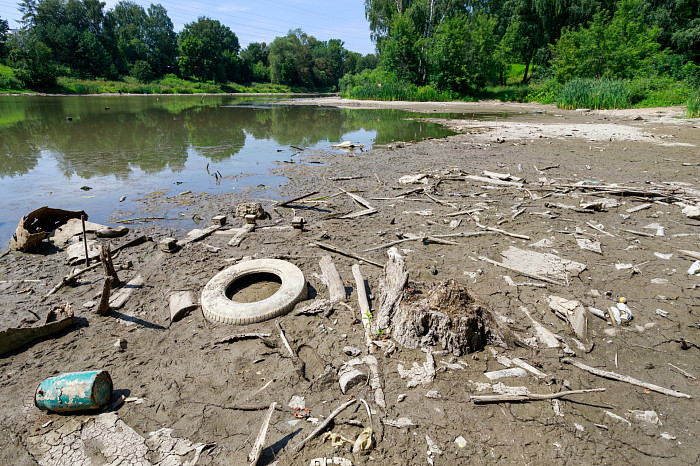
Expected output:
{"points": [[363, 302], [13, 338], [254, 455], [201, 235], [463, 212], [639, 233], [284, 340], [108, 265], [103, 308], [324, 424], [119, 299], [597, 228], [238, 238], [695, 255], [87, 256], [289, 201], [369, 210], [503, 232], [440, 201], [242, 336], [391, 290], [332, 248], [344, 178], [624, 378], [531, 275], [331, 277], [529, 396], [494, 181]]}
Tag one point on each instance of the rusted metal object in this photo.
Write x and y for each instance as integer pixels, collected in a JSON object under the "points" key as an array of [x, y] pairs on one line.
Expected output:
{"points": [[74, 391]]}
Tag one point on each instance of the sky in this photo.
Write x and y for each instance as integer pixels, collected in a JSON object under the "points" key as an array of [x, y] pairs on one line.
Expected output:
{"points": [[260, 20]]}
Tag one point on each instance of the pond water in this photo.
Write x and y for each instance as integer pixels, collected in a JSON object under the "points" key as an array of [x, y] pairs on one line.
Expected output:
{"points": [[53, 148]]}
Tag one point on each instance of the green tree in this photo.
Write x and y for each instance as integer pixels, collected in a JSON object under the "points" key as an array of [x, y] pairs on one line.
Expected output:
{"points": [[621, 45], [401, 52], [4, 36], [202, 45], [291, 60], [33, 60], [161, 41], [125, 35]]}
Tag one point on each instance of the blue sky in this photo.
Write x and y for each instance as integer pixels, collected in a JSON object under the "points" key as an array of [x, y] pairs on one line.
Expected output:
{"points": [[261, 20]]}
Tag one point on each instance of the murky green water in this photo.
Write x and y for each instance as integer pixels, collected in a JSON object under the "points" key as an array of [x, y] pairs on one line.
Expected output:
{"points": [[51, 147]]}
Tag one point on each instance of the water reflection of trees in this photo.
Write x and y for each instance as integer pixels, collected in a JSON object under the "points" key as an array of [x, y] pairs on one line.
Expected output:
{"points": [[156, 133]]}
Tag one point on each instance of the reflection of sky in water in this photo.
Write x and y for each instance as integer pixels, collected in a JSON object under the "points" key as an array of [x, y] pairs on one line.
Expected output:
{"points": [[132, 152]]}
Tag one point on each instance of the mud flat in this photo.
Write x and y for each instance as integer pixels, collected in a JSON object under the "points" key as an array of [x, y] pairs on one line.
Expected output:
{"points": [[548, 218]]}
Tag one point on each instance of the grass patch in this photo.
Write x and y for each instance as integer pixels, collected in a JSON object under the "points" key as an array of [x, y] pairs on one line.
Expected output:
{"points": [[693, 104], [9, 82], [394, 91], [594, 94]]}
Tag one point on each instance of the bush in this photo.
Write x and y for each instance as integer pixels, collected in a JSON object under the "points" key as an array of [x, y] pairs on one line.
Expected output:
{"points": [[9, 80], [594, 94], [142, 71]]}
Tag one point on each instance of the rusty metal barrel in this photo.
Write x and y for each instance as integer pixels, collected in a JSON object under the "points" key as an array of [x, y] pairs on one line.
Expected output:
{"points": [[74, 391]]}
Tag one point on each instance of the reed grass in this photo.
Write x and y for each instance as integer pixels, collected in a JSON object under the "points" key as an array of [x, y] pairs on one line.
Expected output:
{"points": [[394, 91], [594, 94], [693, 104]]}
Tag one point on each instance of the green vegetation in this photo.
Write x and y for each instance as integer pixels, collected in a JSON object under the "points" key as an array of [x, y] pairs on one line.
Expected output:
{"points": [[694, 104], [594, 93], [77, 46], [592, 53]]}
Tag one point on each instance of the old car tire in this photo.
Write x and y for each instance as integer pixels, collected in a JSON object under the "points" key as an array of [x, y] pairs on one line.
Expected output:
{"points": [[219, 308]]}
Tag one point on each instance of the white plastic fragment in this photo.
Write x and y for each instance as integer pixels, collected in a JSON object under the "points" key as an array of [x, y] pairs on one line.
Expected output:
{"points": [[598, 313], [694, 269], [434, 448], [618, 418], [650, 417], [668, 436], [512, 372], [461, 442], [297, 402], [663, 256]]}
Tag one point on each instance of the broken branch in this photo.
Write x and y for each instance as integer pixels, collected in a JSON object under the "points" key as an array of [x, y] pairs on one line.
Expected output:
{"points": [[529, 396]]}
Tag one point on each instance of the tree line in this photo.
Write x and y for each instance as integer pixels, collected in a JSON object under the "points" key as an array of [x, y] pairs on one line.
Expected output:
{"points": [[463, 46], [79, 38]]}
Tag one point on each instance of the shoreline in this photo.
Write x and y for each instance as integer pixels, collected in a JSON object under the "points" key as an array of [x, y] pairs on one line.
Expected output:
{"points": [[192, 385]]}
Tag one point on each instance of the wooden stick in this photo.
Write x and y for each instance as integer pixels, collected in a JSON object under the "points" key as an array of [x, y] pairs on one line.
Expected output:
{"points": [[332, 248], [103, 308], [503, 232], [640, 233], [624, 378], [330, 274], [289, 201], [435, 239], [238, 238], [344, 178], [363, 302], [463, 212], [203, 234], [440, 201], [284, 340], [687, 374], [529, 396], [392, 243], [324, 424], [68, 278], [254, 454], [107, 265], [693, 254], [532, 275], [87, 256], [599, 229]]}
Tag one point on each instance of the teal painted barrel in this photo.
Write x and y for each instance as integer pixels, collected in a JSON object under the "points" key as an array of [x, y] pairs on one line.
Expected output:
{"points": [[74, 391]]}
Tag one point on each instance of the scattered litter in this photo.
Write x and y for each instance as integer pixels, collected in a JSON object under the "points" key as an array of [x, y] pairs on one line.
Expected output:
{"points": [[695, 268], [663, 256], [668, 436], [660, 231], [433, 394], [572, 312], [433, 446], [74, 391], [589, 244], [335, 461], [419, 375], [297, 402], [618, 418], [412, 179], [461, 442], [632, 210], [400, 423], [512, 372], [646, 416], [692, 212]]}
